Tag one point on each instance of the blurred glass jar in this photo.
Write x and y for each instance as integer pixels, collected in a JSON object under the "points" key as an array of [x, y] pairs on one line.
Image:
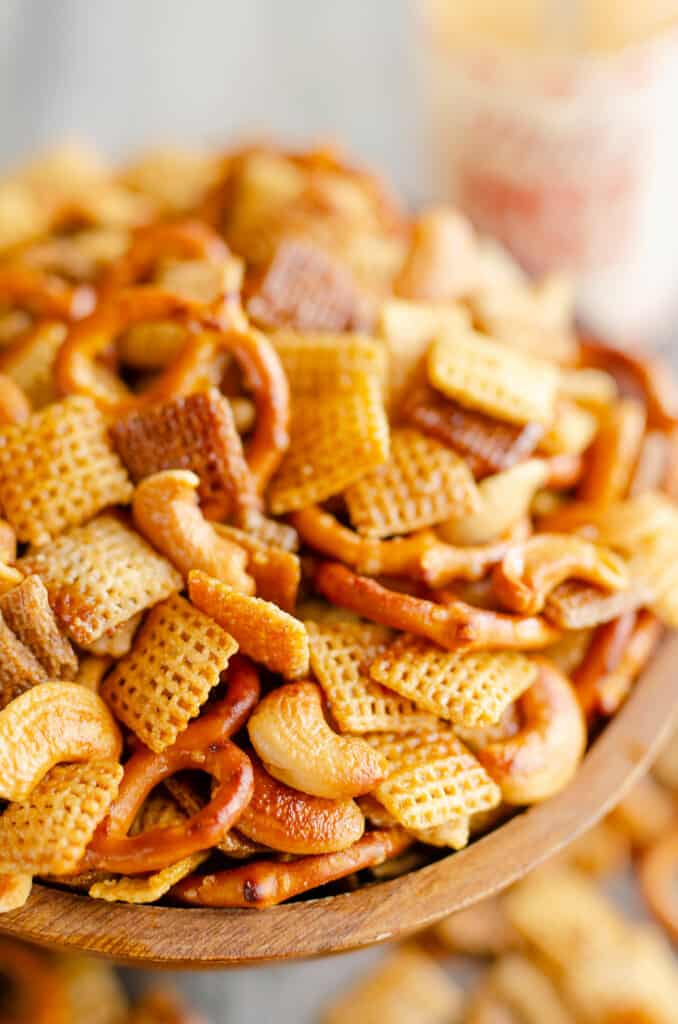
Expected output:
{"points": [[554, 125]]}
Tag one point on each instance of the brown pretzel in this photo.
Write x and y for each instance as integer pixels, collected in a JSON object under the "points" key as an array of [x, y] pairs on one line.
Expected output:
{"points": [[203, 746], [33, 990], [265, 883], [650, 376], [658, 875], [617, 653], [543, 755], [43, 295], [614, 453], [265, 377], [454, 625]]}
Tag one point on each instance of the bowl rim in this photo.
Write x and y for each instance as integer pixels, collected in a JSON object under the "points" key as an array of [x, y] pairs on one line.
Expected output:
{"points": [[187, 937]]}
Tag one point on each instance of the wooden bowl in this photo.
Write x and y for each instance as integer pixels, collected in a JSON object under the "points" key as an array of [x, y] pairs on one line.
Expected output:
{"points": [[195, 938]]}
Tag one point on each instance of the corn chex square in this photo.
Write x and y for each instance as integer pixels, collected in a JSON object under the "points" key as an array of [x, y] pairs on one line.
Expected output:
{"points": [[58, 469], [100, 575], [177, 658], [421, 484], [468, 688], [335, 439], [340, 654], [484, 374], [324, 362], [434, 779], [49, 832]]}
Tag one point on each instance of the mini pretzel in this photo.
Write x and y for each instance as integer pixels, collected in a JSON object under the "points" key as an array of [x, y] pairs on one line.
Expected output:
{"points": [[614, 452], [454, 626], [264, 375], [266, 883], [531, 570], [619, 651], [166, 511], [658, 872], [291, 735], [544, 754], [203, 746], [650, 375], [49, 724], [43, 295]]}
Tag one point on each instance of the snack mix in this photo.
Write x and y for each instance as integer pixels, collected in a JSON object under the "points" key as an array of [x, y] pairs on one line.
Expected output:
{"points": [[326, 539]]}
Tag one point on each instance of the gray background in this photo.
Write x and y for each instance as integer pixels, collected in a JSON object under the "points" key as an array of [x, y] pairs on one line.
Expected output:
{"points": [[135, 72]]}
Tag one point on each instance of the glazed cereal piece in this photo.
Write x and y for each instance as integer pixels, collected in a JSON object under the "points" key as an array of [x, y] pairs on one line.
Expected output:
{"points": [[333, 443], [321, 363], [572, 430], [100, 575], [433, 779], [407, 986], [442, 262], [515, 986], [263, 631], [29, 361], [291, 735], [15, 889], [452, 834], [193, 432], [26, 610], [421, 484], [470, 689], [117, 642], [275, 571], [487, 445], [578, 605], [158, 812], [50, 831], [19, 668], [486, 375], [340, 655], [303, 287], [177, 658], [58, 470]]}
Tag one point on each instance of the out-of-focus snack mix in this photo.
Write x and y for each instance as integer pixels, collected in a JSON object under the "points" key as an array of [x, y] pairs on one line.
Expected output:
{"points": [[329, 501]]}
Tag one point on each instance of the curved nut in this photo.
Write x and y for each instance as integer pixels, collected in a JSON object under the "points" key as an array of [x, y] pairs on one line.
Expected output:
{"points": [[268, 882], [293, 822], [14, 891], [51, 723], [658, 875], [166, 511], [530, 571], [541, 758], [290, 734], [505, 498], [14, 406]]}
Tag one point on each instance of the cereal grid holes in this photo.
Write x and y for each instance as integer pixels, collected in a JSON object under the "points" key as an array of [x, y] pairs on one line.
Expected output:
{"points": [[100, 575], [178, 656], [422, 483], [58, 470], [49, 832], [340, 654], [469, 688], [27, 612]]}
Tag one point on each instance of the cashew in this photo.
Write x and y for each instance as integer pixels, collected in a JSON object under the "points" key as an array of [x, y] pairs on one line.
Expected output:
{"points": [[506, 498], [165, 509], [48, 724], [290, 733]]}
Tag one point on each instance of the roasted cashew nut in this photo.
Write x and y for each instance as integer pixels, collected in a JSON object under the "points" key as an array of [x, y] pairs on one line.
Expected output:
{"points": [[48, 724], [541, 758], [285, 819], [268, 882], [203, 746], [290, 734], [530, 571], [166, 511], [454, 625], [505, 499]]}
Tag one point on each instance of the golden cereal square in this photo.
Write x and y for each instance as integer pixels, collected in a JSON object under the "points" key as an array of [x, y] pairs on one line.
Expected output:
{"points": [[100, 575], [422, 483], [195, 432], [322, 362], [177, 658], [26, 610], [487, 375], [58, 470], [334, 441], [579, 605], [340, 654], [49, 832], [468, 688]]}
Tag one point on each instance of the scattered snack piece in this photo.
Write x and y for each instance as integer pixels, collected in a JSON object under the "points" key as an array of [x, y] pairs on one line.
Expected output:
{"points": [[481, 930], [263, 631], [505, 499], [14, 891], [58, 469], [19, 668], [276, 572], [516, 989], [177, 658], [25, 609], [318, 364]]}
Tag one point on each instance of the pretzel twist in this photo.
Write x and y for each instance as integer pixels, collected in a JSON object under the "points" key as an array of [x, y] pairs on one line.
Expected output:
{"points": [[203, 746], [44, 295]]}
